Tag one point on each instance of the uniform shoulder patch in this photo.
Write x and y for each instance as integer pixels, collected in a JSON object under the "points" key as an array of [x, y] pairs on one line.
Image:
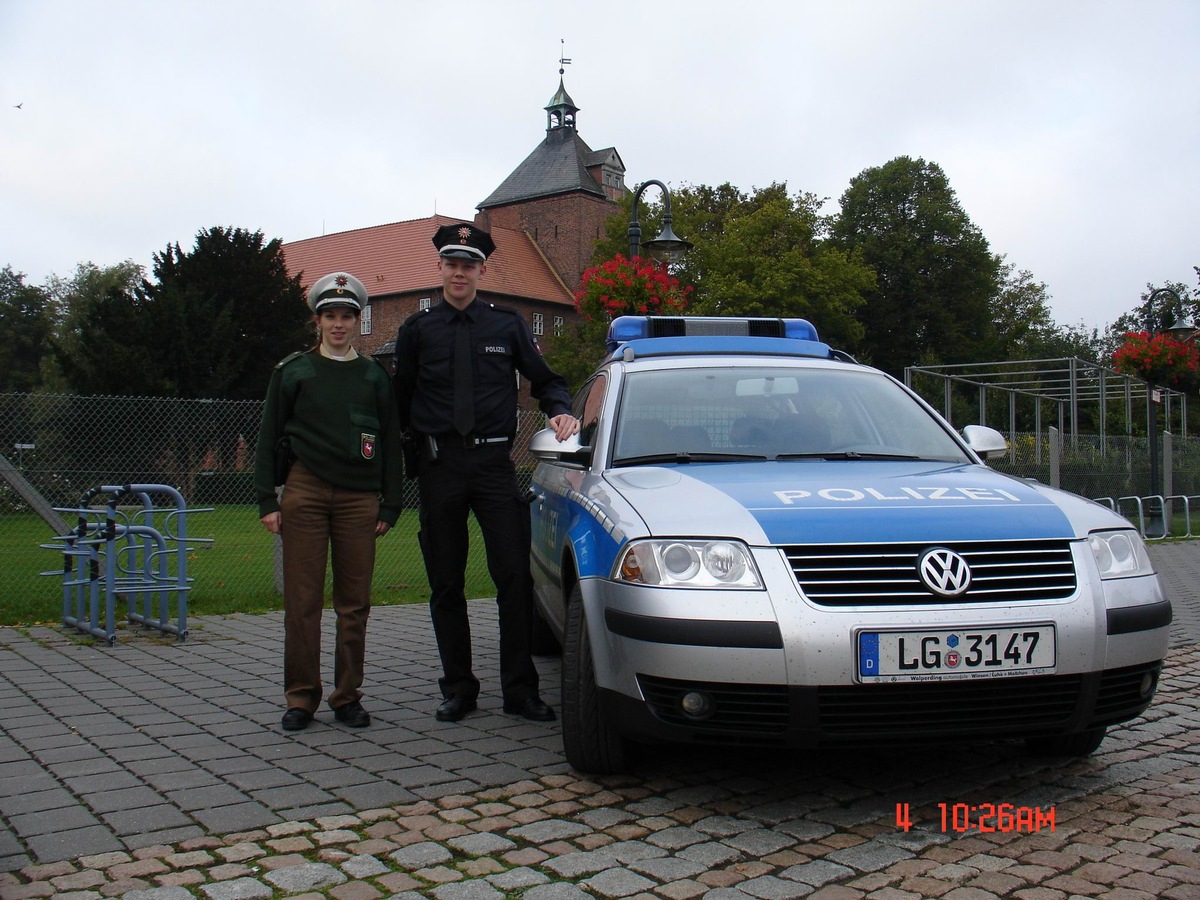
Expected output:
{"points": [[287, 359]]}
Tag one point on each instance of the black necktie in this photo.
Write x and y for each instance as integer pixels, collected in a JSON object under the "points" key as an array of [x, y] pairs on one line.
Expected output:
{"points": [[464, 392]]}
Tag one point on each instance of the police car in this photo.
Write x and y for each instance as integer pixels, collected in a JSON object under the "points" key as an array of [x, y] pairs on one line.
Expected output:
{"points": [[756, 540]]}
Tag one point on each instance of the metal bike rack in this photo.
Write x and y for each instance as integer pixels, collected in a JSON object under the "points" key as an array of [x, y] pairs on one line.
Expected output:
{"points": [[127, 555]]}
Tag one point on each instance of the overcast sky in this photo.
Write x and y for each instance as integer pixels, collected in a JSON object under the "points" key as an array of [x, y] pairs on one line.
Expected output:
{"points": [[1070, 131]]}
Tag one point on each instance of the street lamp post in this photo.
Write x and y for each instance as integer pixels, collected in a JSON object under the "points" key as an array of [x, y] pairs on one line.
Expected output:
{"points": [[668, 247], [1181, 329]]}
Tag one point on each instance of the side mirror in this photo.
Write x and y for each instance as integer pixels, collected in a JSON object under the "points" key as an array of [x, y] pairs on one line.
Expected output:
{"points": [[987, 442], [545, 447]]}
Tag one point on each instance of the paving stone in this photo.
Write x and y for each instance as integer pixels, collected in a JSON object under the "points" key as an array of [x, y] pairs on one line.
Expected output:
{"points": [[618, 883], [759, 842], [550, 830], [517, 879], [817, 873], [769, 887], [418, 856], [574, 865], [310, 876], [556, 892], [870, 857], [237, 889], [481, 844], [364, 866], [668, 868], [467, 890], [162, 893]]}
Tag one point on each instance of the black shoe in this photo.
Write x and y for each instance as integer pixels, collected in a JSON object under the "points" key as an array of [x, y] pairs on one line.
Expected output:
{"points": [[352, 715], [454, 708], [531, 708], [296, 719]]}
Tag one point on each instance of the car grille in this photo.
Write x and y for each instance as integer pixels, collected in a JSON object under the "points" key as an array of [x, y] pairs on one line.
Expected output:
{"points": [[886, 574], [958, 707], [771, 714]]}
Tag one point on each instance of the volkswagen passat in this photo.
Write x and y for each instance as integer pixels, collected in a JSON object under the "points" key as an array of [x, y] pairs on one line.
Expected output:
{"points": [[755, 539]]}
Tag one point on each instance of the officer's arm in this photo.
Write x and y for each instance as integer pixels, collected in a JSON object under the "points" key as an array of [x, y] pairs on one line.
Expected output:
{"points": [[545, 385]]}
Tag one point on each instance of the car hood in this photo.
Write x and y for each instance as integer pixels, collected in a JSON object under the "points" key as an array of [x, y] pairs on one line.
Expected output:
{"points": [[842, 501]]}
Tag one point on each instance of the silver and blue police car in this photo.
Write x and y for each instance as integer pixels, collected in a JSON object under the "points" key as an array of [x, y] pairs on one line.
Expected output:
{"points": [[757, 540]]}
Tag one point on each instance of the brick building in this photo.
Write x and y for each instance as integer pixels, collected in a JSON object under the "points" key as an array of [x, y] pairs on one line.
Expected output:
{"points": [[545, 219]]}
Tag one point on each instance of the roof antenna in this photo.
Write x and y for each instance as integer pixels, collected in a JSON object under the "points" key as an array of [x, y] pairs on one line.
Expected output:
{"points": [[562, 59]]}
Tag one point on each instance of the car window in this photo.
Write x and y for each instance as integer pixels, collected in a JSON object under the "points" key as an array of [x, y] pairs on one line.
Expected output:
{"points": [[773, 411], [586, 408]]}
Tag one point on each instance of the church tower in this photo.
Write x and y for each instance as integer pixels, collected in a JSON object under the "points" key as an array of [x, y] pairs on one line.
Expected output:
{"points": [[562, 194]]}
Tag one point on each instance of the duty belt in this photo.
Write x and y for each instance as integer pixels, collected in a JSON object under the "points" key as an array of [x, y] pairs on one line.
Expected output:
{"points": [[471, 441]]}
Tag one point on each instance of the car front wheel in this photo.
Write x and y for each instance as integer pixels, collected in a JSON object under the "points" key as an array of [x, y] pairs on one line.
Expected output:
{"points": [[592, 745]]}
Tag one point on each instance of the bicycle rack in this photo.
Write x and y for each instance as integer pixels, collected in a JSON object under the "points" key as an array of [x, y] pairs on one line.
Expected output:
{"points": [[128, 556]]}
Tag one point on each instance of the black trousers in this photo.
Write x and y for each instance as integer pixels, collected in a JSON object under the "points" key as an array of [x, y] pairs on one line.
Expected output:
{"points": [[484, 481]]}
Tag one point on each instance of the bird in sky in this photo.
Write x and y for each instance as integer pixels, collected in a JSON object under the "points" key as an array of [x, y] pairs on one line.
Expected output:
{"points": [[18, 105]]}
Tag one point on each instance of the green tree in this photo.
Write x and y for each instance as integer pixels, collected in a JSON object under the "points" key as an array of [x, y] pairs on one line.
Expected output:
{"points": [[758, 253], [1024, 328], [212, 324], [936, 276], [25, 321], [224, 314], [99, 341]]}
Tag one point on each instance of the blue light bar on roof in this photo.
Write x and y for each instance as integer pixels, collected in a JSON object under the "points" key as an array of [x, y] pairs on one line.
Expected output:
{"points": [[629, 328]]}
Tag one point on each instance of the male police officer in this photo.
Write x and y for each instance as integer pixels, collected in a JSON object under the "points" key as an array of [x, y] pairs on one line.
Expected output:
{"points": [[456, 386]]}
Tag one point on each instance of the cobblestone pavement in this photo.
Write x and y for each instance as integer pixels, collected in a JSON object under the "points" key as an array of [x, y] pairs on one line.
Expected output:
{"points": [[158, 770]]}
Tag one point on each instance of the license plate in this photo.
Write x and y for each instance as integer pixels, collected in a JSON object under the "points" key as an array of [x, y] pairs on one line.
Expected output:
{"points": [[943, 655]]}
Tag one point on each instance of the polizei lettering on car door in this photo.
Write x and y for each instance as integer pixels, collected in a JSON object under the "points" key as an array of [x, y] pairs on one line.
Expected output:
{"points": [[903, 495]]}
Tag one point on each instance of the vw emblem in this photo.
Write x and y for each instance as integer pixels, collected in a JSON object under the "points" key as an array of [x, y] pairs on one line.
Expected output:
{"points": [[944, 572]]}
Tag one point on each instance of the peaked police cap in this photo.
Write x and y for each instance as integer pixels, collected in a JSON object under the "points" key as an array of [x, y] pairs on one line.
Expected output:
{"points": [[463, 241], [337, 289]]}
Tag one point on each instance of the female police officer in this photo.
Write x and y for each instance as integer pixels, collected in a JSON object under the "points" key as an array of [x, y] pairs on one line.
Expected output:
{"points": [[456, 386], [336, 411]]}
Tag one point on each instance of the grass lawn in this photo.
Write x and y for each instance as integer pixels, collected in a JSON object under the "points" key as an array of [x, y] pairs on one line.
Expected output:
{"points": [[233, 573]]}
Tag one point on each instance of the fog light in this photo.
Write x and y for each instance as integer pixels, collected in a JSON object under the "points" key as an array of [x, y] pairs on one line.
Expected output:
{"points": [[1147, 684], [696, 705]]}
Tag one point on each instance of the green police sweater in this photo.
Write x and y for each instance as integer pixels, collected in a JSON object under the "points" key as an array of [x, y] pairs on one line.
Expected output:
{"points": [[342, 422]]}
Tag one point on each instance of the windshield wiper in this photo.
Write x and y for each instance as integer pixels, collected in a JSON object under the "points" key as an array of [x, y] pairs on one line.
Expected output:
{"points": [[846, 454], [685, 456]]}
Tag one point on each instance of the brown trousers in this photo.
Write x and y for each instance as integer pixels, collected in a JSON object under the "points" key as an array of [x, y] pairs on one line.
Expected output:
{"points": [[315, 516]]}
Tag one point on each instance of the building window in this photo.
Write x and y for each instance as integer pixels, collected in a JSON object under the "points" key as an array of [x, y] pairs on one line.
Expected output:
{"points": [[364, 321], [539, 325], [424, 303], [558, 325]]}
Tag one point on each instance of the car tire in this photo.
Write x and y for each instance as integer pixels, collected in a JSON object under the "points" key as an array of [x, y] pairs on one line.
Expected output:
{"points": [[543, 642], [592, 745], [1082, 743]]}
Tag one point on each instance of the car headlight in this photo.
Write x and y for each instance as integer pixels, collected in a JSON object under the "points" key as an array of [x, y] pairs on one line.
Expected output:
{"points": [[1120, 554], [688, 563]]}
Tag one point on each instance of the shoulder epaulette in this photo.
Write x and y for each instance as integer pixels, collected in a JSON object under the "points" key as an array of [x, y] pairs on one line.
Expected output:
{"points": [[287, 359]]}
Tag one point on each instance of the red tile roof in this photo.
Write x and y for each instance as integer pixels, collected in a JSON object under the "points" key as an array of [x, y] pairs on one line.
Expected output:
{"points": [[398, 258]]}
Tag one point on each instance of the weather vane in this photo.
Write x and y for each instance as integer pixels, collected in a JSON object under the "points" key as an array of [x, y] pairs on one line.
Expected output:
{"points": [[562, 60]]}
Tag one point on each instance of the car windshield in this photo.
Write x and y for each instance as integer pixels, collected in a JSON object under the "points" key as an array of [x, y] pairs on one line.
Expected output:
{"points": [[697, 414]]}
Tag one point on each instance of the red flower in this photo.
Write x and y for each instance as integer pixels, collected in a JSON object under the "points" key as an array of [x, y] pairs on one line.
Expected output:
{"points": [[621, 286]]}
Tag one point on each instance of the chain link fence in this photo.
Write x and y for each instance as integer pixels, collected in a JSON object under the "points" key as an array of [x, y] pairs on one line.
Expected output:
{"points": [[66, 445]]}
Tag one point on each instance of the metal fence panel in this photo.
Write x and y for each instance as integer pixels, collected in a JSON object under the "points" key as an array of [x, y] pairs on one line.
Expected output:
{"points": [[65, 444]]}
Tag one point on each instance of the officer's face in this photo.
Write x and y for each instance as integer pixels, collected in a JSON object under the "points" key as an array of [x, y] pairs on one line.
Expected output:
{"points": [[338, 326], [460, 279]]}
